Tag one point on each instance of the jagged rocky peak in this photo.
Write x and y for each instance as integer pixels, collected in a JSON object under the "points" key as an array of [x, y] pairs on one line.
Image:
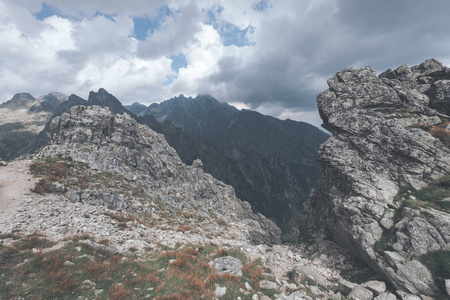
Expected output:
{"points": [[118, 144], [49, 102], [390, 138]]}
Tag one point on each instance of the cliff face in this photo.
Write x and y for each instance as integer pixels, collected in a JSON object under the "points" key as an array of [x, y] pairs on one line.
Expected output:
{"points": [[390, 142], [119, 145]]}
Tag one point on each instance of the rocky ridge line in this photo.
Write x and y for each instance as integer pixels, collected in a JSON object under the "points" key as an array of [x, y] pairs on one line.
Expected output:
{"points": [[378, 148], [118, 144]]}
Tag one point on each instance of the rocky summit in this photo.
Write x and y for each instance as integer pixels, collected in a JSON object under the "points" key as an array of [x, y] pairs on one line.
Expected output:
{"points": [[383, 190], [118, 144]]}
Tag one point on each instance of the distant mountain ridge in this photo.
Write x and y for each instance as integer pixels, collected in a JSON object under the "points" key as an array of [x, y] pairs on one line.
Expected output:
{"points": [[271, 163]]}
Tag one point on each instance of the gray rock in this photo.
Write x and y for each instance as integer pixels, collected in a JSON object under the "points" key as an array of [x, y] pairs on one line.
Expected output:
{"points": [[300, 272], [360, 293], [315, 290], [377, 287], [385, 296], [447, 286], [297, 295], [220, 291], [407, 296], [228, 264], [266, 284], [3, 163], [119, 145], [68, 263], [345, 287], [373, 152]]}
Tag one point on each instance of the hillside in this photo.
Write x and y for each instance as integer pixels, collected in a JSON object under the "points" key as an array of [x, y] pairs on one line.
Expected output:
{"points": [[271, 163], [113, 213]]}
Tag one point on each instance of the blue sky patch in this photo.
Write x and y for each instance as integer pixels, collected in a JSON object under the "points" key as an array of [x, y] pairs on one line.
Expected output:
{"points": [[145, 25], [232, 35], [178, 61], [45, 12], [261, 6]]}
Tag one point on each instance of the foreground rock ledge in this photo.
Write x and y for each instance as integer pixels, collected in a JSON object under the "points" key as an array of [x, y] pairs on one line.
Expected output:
{"points": [[378, 146]]}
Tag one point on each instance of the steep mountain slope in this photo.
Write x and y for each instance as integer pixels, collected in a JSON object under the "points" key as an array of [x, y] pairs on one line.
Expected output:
{"points": [[271, 163], [21, 120], [384, 187], [116, 143]]}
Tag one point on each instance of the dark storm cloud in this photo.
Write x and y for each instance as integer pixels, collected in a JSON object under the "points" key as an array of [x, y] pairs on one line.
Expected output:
{"points": [[292, 53]]}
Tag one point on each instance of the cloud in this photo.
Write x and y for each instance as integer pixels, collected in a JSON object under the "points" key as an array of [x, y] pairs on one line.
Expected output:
{"points": [[273, 56]]}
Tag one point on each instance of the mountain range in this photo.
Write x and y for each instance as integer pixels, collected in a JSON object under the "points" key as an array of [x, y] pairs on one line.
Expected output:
{"points": [[271, 163], [106, 207]]}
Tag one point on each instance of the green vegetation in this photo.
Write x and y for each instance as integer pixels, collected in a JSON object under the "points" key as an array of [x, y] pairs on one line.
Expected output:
{"points": [[383, 243], [438, 262], [433, 195], [78, 269], [359, 272]]}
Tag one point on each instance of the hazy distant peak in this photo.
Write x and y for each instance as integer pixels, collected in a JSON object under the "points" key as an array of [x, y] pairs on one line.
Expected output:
{"points": [[19, 101]]}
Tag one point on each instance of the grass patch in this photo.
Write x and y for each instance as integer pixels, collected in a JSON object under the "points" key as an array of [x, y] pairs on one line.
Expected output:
{"points": [[383, 243], [77, 269], [359, 273], [438, 262], [432, 195]]}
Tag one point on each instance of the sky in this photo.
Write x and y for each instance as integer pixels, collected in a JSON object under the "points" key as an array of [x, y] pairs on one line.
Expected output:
{"points": [[273, 56]]}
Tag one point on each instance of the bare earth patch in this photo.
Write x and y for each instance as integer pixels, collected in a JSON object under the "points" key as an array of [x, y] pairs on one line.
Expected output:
{"points": [[15, 184]]}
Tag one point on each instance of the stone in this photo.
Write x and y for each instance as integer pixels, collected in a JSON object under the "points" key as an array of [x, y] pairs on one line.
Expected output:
{"points": [[68, 263], [407, 296], [300, 272], [447, 286], [228, 264], [220, 291], [378, 146], [360, 293], [291, 286], [377, 287], [3, 163], [345, 287], [315, 290], [88, 282], [266, 284], [117, 144], [247, 286], [385, 296]]}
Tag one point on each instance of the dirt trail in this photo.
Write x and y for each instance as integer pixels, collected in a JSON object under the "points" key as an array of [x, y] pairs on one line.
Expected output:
{"points": [[15, 184]]}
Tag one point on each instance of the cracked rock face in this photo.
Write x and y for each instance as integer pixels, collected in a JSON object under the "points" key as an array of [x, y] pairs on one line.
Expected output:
{"points": [[118, 144], [373, 152]]}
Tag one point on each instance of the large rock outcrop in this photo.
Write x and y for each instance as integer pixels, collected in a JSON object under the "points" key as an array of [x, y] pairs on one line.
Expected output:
{"points": [[390, 134], [117, 143]]}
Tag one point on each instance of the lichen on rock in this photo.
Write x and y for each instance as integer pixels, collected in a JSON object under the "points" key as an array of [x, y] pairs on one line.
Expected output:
{"points": [[389, 132]]}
